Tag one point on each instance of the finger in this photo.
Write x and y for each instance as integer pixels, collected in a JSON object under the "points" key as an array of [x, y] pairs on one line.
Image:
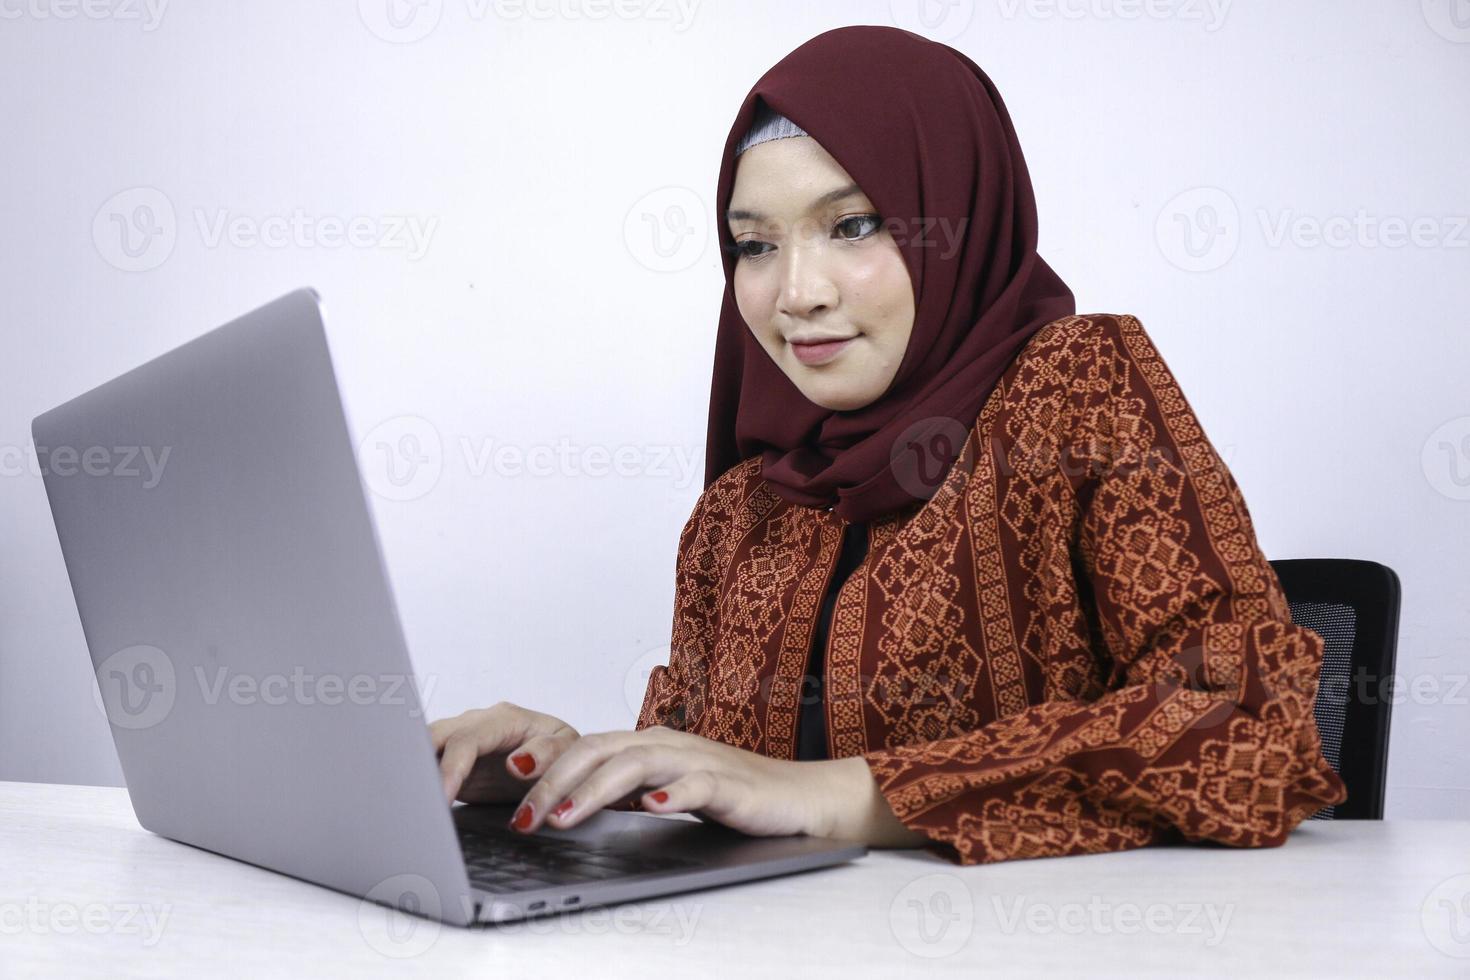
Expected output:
{"points": [[456, 762], [475, 733], [569, 770], [621, 774], [530, 760], [440, 730], [494, 729], [692, 791]]}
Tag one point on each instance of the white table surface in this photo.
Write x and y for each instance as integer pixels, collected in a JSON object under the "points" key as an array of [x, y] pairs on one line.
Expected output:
{"points": [[84, 891]]}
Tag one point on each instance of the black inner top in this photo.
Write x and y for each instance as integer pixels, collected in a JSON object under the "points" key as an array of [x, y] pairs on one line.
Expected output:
{"points": [[811, 728]]}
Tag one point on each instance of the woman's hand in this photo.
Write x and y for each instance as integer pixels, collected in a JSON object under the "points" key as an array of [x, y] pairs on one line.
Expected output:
{"points": [[488, 755], [750, 792]]}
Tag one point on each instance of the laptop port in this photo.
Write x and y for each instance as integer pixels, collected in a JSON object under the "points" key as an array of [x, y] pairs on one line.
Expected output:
{"points": [[571, 900], [535, 906]]}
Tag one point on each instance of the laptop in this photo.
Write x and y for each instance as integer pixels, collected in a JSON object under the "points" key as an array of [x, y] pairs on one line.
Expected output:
{"points": [[252, 667]]}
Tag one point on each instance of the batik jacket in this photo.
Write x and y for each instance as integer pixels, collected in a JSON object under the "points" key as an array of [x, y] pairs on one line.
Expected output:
{"points": [[1075, 645]]}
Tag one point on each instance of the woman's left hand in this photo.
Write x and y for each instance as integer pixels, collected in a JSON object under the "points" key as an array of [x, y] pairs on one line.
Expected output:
{"points": [[678, 772]]}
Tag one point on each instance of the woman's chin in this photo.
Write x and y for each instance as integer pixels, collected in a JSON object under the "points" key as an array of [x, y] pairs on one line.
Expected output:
{"points": [[837, 397]]}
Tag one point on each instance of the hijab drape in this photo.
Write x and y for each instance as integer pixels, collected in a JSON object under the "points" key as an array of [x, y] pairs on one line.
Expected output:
{"points": [[924, 133]]}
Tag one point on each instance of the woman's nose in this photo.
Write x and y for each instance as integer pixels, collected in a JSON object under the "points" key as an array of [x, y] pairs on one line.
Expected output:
{"points": [[806, 286]]}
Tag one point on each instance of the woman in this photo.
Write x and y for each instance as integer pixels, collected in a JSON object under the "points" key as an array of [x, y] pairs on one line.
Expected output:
{"points": [[966, 573]]}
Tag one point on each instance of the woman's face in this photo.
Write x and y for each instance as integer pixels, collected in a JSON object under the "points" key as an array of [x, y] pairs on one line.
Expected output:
{"points": [[816, 262]]}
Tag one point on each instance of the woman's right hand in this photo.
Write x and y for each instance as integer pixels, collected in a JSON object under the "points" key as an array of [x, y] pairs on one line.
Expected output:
{"points": [[492, 755]]}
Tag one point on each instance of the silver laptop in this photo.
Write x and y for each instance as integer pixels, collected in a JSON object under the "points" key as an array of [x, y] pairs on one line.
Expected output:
{"points": [[250, 660]]}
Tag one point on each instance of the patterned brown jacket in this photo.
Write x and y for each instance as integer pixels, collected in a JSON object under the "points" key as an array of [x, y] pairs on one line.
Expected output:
{"points": [[1075, 645]]}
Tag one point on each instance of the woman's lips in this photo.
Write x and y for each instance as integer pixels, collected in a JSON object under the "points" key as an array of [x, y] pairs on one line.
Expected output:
{"points": [[811, 354]]}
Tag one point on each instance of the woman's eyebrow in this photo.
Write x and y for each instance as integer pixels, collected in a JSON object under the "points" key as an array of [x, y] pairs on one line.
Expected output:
{"points": [[825, 199]]}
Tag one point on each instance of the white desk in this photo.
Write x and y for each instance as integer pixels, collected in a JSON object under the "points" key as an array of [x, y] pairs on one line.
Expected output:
{"points": [[85, 891]]}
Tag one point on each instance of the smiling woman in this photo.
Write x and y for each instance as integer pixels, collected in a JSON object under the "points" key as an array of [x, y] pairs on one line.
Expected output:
{"points": [[819, 278], [966, 572]]}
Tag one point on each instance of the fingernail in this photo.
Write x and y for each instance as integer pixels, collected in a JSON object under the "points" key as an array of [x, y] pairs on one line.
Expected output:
{"points": [[524, 762], [562, 808], [522, 819], [659, 796]]}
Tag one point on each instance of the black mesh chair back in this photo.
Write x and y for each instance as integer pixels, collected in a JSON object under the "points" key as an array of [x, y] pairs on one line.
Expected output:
{"points": [[1354, 606]]}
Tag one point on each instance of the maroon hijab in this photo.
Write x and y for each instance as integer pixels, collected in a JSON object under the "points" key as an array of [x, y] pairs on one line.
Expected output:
{"points": [[924, 133]]}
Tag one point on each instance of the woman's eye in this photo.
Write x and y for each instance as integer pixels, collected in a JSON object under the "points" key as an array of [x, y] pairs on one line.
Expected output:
{"points": [[747, 248], [856, 223]]}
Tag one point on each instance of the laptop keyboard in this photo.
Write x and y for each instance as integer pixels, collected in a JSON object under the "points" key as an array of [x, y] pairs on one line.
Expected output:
{"points": [[502, 861]]}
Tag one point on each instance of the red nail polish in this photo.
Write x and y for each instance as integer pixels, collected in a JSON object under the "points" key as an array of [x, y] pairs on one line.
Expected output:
{"points": [[561, 808], [524, 762], [522, 819], [659, 796]]}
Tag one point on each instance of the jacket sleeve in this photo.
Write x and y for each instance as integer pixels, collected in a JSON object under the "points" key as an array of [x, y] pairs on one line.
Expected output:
{"points": [[675, 696], [1203, 730]]}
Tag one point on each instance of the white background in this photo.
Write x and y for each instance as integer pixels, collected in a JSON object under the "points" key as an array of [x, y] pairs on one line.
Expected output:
{"points": [[559, 162]]}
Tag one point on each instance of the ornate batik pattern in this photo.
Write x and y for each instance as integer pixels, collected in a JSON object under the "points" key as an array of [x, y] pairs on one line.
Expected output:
{"points": [[1075, 645]]}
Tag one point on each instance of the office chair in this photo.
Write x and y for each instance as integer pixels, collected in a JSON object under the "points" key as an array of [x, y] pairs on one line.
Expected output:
{"points": [[1354, 606]]}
